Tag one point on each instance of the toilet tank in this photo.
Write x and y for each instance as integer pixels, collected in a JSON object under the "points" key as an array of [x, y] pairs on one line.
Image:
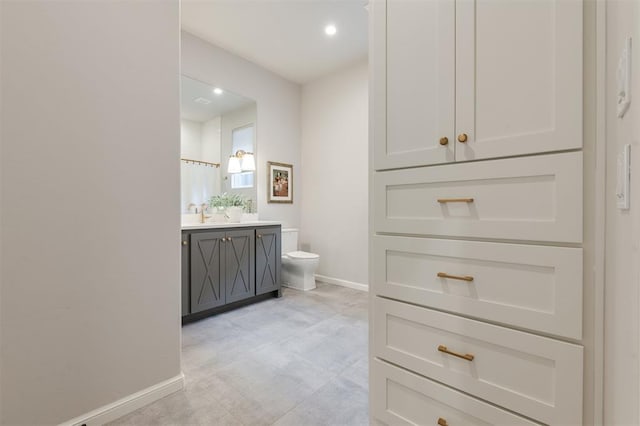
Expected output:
{"points": [[289, 240]]}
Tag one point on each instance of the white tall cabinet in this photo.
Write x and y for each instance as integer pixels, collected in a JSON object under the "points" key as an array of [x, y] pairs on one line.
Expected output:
{"points": [[477, 199]]}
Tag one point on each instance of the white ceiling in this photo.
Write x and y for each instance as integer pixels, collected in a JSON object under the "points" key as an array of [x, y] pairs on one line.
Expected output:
{"points": [[220, 104], [284, 36]]}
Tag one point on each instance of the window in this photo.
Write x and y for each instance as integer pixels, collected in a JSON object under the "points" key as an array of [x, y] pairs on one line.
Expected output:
{"points": [[242, 180], [242, 139]]}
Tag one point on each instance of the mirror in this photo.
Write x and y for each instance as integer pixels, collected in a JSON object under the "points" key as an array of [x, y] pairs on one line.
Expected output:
{"points": [[214, 125]]}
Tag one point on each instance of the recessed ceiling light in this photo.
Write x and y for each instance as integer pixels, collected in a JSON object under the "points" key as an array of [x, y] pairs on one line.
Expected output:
{"points": [[330, 30], [217, 91]]}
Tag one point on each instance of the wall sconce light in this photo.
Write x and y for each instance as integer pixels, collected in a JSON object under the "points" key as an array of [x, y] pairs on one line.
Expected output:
{"points": [[234, 165], [242, 161]]}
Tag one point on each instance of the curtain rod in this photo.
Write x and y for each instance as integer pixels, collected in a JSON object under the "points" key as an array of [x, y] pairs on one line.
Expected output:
{"points": [[206, 163]]}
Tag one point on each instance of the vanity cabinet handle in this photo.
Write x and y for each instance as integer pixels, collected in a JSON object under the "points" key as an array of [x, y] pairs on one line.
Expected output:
{"points": [[442, 422], [259, 236], [444, 141], [228, 238], [455, 200], [223, 239], [462, 137], [184, 243], [455, 277], [443, 348]]}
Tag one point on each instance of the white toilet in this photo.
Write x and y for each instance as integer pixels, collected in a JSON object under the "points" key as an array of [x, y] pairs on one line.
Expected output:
{"points": [[298, 267]]}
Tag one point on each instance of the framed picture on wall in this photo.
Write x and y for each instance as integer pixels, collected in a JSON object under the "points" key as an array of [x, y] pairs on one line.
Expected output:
{"points": [[280, 181]]}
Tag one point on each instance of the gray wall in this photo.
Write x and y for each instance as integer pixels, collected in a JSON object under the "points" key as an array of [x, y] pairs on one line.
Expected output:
{"points": [[90, 306], [622, 316], [278, 121], [334, 174]]}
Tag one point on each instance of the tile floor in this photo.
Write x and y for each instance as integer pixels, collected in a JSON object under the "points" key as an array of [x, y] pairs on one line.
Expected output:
{"points": [[300, 360]]}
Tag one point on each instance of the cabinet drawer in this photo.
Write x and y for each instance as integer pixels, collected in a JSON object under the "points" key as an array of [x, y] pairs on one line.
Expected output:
{"points": [[536, 198], [403, 398], [538, 377], [534, 287]]}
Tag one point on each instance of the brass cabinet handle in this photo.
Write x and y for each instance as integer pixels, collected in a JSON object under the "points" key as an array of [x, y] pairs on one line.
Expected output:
{"points": [[455, 200], [442, 422], [462, 137], [455, 277], [444, 140], [468, 357], [184, 243]]}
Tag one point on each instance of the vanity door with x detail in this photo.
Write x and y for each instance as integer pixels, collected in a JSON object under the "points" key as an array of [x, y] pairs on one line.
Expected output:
{"points": [[268, 259]]}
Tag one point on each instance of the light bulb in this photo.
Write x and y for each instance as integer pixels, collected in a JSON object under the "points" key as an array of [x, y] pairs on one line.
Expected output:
{"points": [[330, 30]]}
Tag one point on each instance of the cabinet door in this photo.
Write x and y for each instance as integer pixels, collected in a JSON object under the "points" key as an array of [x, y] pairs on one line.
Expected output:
{"points": [[267, 259], [184, 254], [413, 58], [239, 265], [207, 288], [518, 77]]}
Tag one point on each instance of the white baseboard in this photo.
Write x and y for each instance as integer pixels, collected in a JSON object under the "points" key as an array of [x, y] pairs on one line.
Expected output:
{"points": [[128, 404], [343, 283]]}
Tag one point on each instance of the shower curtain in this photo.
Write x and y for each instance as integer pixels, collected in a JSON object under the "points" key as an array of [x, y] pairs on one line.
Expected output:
{"points": [[198, 183]]}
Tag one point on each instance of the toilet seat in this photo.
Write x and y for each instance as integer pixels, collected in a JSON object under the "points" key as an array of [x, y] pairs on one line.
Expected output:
{"points": [[302, 255]]}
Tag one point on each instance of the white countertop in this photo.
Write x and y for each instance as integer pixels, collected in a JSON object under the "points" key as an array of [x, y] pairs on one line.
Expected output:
{"points": [[218, 225]]}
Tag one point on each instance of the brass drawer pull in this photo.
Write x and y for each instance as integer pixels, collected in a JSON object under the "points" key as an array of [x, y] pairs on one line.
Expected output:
{"points": [[442, 422], [462, 137], [455, 200], [443, 348], [455, 277], [444, 141]]}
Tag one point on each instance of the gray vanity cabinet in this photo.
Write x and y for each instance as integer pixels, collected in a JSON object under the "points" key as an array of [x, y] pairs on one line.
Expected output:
{"points": [[268, 259], [226, 268], [238, 267], [207, 274]]}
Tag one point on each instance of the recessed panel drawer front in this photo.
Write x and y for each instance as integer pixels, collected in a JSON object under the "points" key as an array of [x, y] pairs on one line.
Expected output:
{"points": [[535, 198], [403, 398], [533, 287], [540, 378]]}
